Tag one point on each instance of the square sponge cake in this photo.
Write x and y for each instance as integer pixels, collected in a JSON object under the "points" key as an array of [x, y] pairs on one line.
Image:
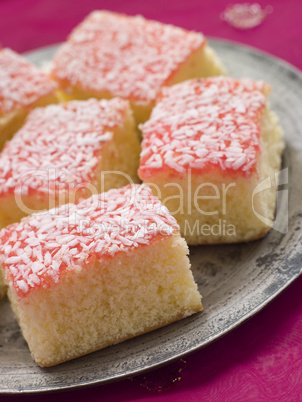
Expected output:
{"points": [[112, 54], [207, 147], [82, 277], [65, 152], [22, 87]]}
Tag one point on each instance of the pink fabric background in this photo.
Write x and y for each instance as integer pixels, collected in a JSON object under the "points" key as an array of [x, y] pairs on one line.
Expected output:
{"points": [[262, 359]]}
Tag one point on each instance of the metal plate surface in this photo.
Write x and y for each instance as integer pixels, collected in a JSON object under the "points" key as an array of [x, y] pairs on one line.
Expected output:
{"points": [[236, 281]]}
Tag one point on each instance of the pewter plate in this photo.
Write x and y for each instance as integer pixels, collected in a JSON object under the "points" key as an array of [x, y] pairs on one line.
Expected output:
{"points": [[236, 281]]}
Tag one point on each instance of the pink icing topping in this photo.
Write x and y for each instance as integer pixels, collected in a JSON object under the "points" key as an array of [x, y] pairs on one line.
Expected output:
{"points": [[204, 124], [126, 56], [21, 83], [59, 144], [37, 251]]}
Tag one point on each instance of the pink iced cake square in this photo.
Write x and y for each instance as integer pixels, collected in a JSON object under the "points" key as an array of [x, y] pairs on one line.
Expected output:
{"points": [[22, 87], [88, 275], [65, 152], [207, 146], [112, 54]]}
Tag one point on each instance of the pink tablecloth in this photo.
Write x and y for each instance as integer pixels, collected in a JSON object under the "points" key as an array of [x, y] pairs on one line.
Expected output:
{"points": [[261, 360]]}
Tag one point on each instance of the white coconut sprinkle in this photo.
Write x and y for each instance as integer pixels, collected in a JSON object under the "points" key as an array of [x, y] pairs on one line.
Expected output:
{"points": [[14, 260], [23, 286]]}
